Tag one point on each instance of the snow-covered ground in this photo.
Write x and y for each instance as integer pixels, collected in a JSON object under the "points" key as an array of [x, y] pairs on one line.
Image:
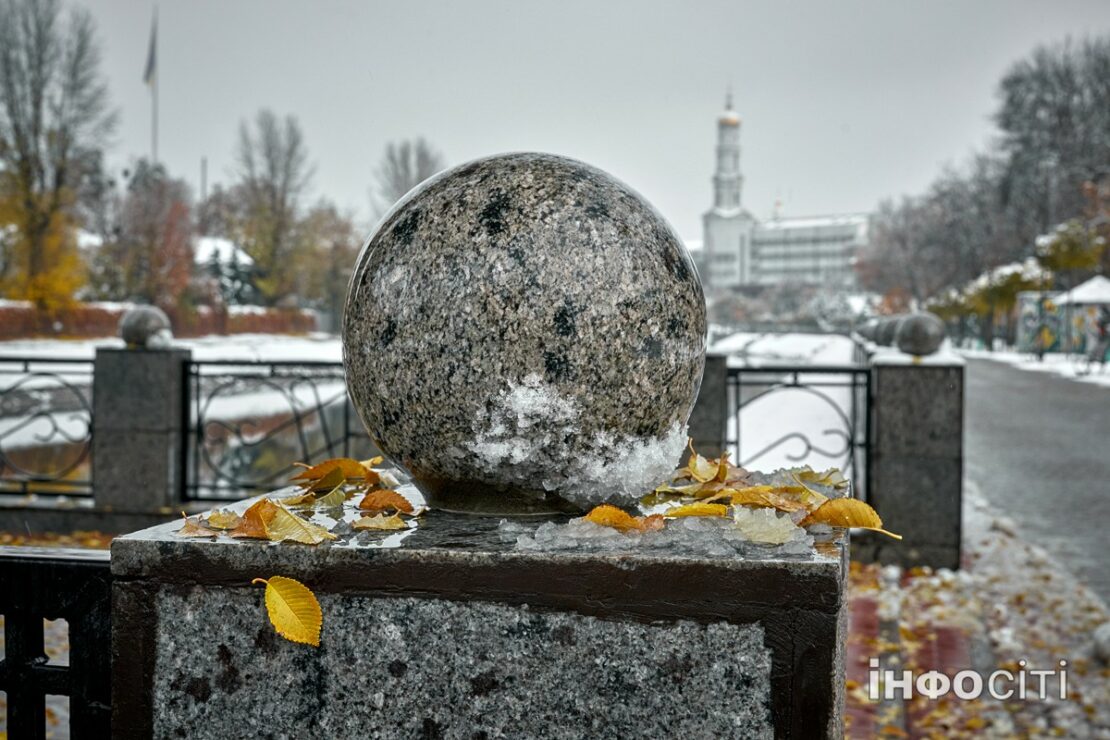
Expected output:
{"points": [[1071, 367]]}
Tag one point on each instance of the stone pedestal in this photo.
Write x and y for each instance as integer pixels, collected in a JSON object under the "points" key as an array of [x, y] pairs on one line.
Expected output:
{"points": [[448, 630], [139, 418], [709, 419], [916, 469]]}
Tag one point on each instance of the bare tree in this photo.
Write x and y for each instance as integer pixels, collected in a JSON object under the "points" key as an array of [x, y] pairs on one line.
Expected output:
{"points": [[54, 117], [274, 174], [404, 165]]}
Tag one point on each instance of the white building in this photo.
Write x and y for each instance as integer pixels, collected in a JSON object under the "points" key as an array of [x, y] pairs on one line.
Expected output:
{"points": [[739, 250]]}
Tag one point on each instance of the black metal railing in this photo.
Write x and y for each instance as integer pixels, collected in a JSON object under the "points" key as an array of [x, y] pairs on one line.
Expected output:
{"points": [[817, 415], [249, 421], [46, 425], [39, 584]]}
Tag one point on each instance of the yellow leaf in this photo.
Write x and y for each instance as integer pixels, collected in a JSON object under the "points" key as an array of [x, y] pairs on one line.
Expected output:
{"points": [[302, 499], [699, 468], [384, 500], [698, 509], [193, 528], [223, 519], [688, 490], [380, 521], [722, 468], [847, 512], [610, 516], [293, 610], [327, 482], [810, 497], [335, 498], [285, 525], [372, 462]]}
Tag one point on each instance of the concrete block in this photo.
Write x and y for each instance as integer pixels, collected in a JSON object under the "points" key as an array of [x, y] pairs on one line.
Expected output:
{"points": [[919, 410], [137, 470], [454, 632]]}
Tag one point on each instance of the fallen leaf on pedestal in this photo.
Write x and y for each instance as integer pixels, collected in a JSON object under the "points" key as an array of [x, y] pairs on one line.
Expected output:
{"points": [[697, 509], [372, 462], [380, 521], [385, 500], [223, 519], [811, 498], [328, 482], [335, 498], [293, 610], [610, 516], [193, 528], [285, 525], [699, 468], [301, 499], [330, 473], [256, 520], [847, 512]]}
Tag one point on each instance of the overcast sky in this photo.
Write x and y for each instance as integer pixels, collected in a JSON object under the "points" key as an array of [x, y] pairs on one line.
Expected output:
{"points": [[843, 103]]}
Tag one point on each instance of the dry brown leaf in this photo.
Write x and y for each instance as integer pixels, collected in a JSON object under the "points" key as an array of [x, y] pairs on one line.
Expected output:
{"points": [[328, 482], [384, 500], [223, 519], [194, 528], [380, 521], [348, 469], [256, 520], [847, 512], [697, 509]]}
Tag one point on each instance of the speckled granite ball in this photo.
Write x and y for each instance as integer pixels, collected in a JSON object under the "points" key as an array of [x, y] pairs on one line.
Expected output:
{"points": [[526, 333], [145, 326], [920, 334]]}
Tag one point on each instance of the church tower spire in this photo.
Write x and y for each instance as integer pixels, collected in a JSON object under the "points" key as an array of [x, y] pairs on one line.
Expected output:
{"points": [[727, 180]]}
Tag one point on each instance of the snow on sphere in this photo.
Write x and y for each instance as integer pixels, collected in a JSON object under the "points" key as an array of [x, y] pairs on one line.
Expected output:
{"points": [[526, 333]]}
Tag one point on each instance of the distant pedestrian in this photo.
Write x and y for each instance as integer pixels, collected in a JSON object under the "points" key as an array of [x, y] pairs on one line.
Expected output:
{"points": [[1101, 337]]}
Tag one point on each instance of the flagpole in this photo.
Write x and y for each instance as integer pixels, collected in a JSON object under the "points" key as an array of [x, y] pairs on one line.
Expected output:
{"points": [[154, 97]]}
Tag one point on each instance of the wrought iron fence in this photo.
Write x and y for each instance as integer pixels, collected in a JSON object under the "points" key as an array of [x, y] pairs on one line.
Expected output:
{"points": [[819, 416], [46, 425], [37, 584], [249, 421]]}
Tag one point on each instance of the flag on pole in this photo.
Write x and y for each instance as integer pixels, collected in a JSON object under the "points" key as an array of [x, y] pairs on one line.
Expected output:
{"points": [[148, 75]]}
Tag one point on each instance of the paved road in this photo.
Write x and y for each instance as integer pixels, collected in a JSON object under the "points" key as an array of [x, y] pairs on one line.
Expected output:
{"points": [[1038, 447]]}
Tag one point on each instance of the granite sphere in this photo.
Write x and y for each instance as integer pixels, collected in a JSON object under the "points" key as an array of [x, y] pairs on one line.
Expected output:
{"points": [[920, 334], [145, 326], [887, 331], [526, 333]]}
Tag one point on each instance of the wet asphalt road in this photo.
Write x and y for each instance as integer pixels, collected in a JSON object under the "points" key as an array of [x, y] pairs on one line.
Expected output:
{"points": [[1038, 448]]}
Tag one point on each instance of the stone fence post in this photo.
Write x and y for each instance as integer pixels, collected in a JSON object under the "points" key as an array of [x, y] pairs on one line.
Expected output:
{"points": [[709, 419], [916, 469], [139, 428]]}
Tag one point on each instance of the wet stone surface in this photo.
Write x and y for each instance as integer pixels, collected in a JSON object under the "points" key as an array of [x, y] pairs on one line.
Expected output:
{"points": [[524, 327]]}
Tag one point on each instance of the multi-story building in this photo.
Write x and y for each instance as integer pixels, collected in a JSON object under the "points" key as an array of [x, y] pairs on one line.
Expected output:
{"points": [[738, 250]]}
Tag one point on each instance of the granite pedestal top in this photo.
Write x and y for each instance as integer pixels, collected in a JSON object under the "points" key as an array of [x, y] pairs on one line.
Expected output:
{"points": [[487, 638]]}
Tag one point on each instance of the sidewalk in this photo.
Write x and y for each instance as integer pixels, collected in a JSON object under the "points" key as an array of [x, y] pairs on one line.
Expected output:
{"points": [[1009, 603]]}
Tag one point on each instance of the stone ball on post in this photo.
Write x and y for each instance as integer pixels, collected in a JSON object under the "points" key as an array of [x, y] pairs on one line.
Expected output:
{"points": [[887, 331], [526, 334], [146, 327], [920, 334]]}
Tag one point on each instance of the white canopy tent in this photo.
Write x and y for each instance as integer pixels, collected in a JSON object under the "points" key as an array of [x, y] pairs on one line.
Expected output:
{"points": [[1094, 291]]}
